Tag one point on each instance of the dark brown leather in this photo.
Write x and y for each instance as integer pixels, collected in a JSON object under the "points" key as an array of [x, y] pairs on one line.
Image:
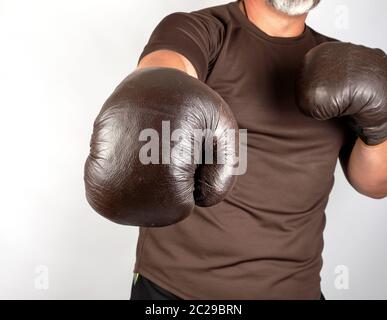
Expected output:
{"points": [[343, 79], [120, 187]]}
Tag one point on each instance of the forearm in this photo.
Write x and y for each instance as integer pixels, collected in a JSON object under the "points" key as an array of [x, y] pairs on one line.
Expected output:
{"points": [[367, 169], [168, 59]]}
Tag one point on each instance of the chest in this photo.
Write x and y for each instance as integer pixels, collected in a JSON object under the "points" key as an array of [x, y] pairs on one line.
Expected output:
{"points": [[258, 82]]}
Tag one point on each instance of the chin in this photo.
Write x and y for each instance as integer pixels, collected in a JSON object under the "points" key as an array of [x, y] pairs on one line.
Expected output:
{"points": [[293, 7]]}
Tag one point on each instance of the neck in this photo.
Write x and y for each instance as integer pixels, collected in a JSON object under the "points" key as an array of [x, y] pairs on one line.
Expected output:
{"points": [[273, 22]]}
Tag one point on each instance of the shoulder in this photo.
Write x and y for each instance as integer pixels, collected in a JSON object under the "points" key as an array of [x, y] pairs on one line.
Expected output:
{"points": [[216, 17], [219, 14], [321, 38]]}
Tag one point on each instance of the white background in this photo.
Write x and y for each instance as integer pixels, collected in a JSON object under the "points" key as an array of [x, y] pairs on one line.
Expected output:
{"points": [[59, 61]]}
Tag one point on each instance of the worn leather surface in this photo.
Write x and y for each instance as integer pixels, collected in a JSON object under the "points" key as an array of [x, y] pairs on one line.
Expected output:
{"points": [[123, 189], [343, 79]]}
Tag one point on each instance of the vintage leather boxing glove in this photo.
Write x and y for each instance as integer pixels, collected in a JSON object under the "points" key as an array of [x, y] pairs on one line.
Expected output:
{"points": [[343, 79], [124, 189]]}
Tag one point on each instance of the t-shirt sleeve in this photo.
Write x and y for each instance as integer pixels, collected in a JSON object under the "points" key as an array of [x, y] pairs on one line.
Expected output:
{"points": [[197, 36]]}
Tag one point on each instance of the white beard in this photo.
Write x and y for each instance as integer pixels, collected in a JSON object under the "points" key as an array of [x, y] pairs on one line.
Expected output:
{"points": [[293, 7]]}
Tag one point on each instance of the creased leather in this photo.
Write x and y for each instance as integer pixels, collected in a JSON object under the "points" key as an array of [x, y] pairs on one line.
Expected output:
{"points": [[121, 188], [343, 79]]}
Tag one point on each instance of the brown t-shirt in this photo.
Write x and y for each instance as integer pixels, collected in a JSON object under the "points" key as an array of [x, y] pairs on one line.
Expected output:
{"points": [[265, 240]]}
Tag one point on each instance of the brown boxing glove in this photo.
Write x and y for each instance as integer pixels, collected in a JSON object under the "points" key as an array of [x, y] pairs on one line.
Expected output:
{"points": [[342, 79], [125, 189]]}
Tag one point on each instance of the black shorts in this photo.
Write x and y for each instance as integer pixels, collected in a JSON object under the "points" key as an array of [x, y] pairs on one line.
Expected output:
{"points": [[144, 289]]}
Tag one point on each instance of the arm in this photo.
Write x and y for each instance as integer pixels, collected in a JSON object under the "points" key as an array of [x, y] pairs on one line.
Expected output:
{"points": [[188, 42], [346, 80], [167, 59], [366, 168], [163, 90]]}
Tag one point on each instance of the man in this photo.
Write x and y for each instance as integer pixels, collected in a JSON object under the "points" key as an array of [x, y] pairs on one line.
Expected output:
{"points": [[265, 240]]}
